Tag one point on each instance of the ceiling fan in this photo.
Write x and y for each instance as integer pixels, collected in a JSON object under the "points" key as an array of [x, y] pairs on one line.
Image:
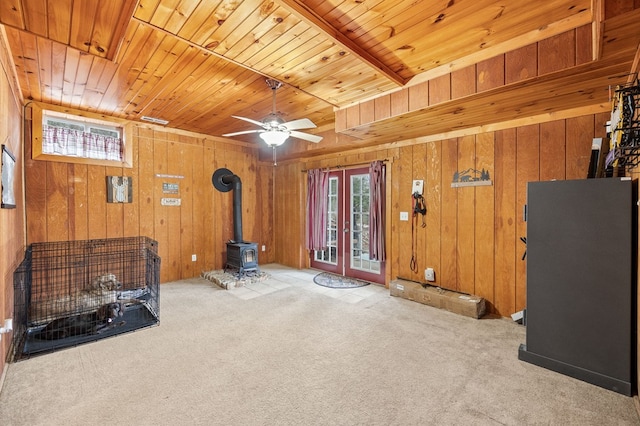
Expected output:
{"points": [[274, 130]]}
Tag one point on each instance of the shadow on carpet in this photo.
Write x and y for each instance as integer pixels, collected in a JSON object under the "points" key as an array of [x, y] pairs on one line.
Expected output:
{"points": [[330, 280]]}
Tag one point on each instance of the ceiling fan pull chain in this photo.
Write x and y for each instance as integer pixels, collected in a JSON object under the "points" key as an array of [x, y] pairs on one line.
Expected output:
{"points": [[275, 163]]}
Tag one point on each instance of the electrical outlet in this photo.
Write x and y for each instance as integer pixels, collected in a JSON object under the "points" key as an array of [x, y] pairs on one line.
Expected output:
{"points": [[8, 327], [404, 215], [429, 274], [264, 248], [194, 257]]}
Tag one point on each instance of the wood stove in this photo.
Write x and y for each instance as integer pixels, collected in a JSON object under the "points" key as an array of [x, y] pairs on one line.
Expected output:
{"points": [[241, 255]]}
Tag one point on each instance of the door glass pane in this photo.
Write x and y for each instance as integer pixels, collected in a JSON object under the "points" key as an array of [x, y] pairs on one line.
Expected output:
{"points": [[359, 205], [330, 254]]}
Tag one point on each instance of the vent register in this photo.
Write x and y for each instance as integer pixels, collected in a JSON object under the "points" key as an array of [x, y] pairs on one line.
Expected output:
{"points": [[154, 120]]}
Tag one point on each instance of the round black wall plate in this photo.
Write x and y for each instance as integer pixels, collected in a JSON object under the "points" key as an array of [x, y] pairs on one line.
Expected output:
{"points": [[216, 179]]}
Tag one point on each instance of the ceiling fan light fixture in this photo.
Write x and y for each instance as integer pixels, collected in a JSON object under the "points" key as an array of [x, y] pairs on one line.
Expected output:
{"points": [[275, 131], [274, 137]]}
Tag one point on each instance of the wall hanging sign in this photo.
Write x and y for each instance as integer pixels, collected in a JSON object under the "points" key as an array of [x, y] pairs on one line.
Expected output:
{"points": [[8, 175], [119, 189], [170, 201], [170, 188], [163, 175], [471, 177]]}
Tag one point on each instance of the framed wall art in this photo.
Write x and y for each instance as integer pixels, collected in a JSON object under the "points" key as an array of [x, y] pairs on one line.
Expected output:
{"points": [[119, 189], [8, 178]]}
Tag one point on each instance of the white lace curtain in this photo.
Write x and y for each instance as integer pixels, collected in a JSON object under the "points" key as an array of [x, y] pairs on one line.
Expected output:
{"points": [[75, 143]]}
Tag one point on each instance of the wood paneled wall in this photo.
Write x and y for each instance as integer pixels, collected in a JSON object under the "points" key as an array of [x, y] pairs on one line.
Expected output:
{"points": [[289, 191], [289, 194], [11, 220], [69, 202], [472, 234]]}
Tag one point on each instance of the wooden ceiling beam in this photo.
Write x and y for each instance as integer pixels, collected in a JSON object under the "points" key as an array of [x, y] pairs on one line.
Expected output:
{"points": [[319, 24], [570, 89], [597, 28], [121, 28]]}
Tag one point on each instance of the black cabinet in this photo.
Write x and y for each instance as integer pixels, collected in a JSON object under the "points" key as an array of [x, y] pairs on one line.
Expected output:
{"points": [[581, 251]]}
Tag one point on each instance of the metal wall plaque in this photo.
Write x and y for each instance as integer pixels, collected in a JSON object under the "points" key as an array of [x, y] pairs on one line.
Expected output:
{"points": [[162, 175], [471, 177], [171, 201], [170, 188]]}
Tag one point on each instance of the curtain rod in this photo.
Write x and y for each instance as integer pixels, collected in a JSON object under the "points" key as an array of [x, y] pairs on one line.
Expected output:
{"points": [[339, 166]]}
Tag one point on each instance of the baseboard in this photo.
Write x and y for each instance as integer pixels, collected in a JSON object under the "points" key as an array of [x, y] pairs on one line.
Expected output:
{"points": [[4, 374], [595, 378]]}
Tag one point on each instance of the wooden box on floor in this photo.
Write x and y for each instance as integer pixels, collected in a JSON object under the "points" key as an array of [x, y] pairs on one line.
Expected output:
{"points": [[467, 305]]}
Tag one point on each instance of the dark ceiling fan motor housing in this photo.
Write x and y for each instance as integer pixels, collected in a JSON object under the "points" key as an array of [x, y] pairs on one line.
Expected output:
{"points": [[241, 255]]}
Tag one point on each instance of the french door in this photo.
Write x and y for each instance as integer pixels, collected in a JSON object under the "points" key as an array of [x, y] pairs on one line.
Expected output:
{"points": [[347, 228]]}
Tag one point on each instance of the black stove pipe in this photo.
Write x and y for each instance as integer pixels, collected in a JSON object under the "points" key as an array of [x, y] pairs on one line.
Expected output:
{"points": [[224, 180], [237, 206]]}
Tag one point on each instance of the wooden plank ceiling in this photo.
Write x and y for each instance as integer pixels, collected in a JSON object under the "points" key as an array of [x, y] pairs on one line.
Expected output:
{"points": [[197, 62]]}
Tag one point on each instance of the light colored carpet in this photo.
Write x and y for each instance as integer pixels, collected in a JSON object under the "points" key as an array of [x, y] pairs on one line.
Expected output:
{"points": [[295, 353]]}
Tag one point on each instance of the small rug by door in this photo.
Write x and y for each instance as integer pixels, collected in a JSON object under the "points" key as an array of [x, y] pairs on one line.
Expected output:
{"points": [[327, 279]]}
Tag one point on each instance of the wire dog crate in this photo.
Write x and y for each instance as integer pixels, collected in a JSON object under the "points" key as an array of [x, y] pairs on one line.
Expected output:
{"points": [[73, 292]]}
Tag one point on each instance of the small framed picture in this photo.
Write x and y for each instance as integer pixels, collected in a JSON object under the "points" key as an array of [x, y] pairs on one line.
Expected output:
{"points": [[8, 177], [119, 189]]}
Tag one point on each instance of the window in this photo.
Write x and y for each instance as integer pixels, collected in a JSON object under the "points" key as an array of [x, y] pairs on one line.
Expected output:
{"points": [[74, 138], [59, 135]]}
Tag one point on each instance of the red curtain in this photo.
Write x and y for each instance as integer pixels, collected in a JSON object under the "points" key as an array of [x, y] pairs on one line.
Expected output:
{"points": [[376, 213], [317, 197]]}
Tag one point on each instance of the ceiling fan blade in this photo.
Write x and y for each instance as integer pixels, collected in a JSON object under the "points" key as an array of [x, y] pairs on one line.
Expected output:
{"points": [[258, 123], [303, 123], [244, 132], [306, 136]]}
